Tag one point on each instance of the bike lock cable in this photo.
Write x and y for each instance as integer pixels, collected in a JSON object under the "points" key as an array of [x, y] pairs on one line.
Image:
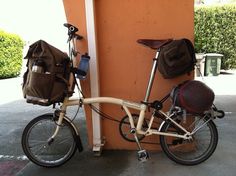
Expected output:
{"points": [[104, 115]]}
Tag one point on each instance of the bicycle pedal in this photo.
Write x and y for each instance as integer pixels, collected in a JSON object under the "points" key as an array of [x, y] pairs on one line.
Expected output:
{"points": [[143, 155]]}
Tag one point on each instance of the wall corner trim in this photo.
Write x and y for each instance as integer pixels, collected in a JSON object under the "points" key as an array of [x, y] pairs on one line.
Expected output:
{"points": [[94, 72]]}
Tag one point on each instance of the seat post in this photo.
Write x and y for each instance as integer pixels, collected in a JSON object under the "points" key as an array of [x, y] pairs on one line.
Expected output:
{"points": [[152, 76]]}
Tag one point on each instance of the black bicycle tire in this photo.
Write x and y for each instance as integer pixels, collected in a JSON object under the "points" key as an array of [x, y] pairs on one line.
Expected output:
{"points": [[25, 144], [203, 158]]}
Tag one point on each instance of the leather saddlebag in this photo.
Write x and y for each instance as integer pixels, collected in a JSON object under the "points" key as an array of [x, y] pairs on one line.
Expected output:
{"points": [[193, 96], [176, 58]]}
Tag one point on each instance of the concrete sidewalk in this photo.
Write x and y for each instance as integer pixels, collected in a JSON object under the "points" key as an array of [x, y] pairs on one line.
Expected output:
{"points": [[15, 114]]}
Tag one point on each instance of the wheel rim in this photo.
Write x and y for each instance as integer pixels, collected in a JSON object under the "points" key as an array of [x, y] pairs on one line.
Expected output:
{"points": [[48, 153], [193, 151]]}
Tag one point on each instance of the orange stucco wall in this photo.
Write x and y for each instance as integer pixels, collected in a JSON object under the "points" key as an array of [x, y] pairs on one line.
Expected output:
{"points": [[125, 65]]}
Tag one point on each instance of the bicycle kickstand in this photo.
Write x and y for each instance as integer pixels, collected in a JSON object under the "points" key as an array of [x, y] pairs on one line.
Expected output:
{"points": [[142, 153]]}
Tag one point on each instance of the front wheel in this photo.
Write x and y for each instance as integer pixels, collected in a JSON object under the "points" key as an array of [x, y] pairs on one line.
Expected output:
{"points": [[194, 151], [41, 149]]}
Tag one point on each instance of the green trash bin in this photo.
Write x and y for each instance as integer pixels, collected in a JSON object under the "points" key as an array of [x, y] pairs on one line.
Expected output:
{"points": [[212, 64]]}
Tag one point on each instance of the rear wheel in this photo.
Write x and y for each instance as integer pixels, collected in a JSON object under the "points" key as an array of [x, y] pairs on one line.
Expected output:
{"points": [[41, 149], [194, 151]]}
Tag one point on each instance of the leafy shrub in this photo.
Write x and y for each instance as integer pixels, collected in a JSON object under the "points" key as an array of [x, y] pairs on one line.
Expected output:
{"points": [[215, 32], [11, 54]]}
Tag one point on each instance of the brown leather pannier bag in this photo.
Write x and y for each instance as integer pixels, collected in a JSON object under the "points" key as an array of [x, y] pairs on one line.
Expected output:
{"points": [[193, 96], [46, 80], [176, 58]]}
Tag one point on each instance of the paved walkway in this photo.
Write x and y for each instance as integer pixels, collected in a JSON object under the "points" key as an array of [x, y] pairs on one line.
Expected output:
{"points": [[15, 114], [224, 84]]}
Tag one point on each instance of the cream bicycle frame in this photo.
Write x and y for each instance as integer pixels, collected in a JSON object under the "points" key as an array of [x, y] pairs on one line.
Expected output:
{"points": [[126, 105], [142, 107]]}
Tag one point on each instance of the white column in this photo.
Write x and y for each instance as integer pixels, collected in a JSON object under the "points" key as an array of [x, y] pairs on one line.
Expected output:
{"points": [[94, 73]]}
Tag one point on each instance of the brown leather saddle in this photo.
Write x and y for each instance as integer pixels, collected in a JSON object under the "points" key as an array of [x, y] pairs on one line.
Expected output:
{"points": [[154, 44]]}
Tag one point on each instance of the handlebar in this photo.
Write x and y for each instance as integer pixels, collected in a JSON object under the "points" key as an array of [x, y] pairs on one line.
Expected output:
{"points": [[72, 32], [71, 28]]}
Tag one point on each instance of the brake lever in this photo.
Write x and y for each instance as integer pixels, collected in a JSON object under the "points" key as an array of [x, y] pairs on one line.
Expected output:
{"points": [[78, 37], [72, 32]]}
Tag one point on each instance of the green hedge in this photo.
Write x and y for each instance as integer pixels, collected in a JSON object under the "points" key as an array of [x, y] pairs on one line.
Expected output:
{"points": [[11, 54], [215, 32]]}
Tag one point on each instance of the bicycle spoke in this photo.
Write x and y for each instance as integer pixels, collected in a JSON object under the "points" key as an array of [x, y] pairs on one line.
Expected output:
{"points": [[199, 126], [195, 150], [44, 152]]}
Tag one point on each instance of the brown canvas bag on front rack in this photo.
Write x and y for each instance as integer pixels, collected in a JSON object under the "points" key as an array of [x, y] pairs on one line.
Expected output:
{"points": [[46, 80]]}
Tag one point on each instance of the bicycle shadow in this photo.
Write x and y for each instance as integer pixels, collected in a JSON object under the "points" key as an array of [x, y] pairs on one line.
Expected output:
{"points": [[111, 163]]}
